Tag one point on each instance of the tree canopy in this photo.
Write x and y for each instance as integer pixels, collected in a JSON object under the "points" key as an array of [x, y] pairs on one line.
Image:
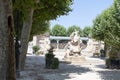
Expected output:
{"points": [[107, 28], [58, 30], [40, 28], [86, 31], [72, 29], [44, 11]]}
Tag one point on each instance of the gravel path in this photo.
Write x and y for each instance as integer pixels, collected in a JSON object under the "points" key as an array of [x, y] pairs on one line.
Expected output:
{"points": [[91, 69]]}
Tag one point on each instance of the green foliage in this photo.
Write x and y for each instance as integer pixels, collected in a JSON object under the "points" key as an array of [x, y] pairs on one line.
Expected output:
{"points": [[106, 28], [48, 60], [117, 10], [49, 56], [86, 31], [72, 29], [55, 63], [44, 11], [97, 30], [47, 10], [113, 54], [58, 30], [39, 28], [51, 61], [23, 6], [35, 48]]}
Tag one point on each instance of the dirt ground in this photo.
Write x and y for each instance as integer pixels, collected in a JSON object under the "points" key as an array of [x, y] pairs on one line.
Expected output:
{"points": [[90, 69]]}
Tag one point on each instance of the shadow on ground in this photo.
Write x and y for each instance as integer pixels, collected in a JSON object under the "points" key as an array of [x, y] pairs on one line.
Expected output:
{"points": [[110, 75], [35, 70], [64, 72], [102, 66]]}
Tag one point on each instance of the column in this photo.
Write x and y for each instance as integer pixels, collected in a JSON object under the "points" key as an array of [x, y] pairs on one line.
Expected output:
{"points": [[57, 44]]}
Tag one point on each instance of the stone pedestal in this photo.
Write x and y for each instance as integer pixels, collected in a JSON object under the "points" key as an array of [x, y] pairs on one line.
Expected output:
{"points": [[75, 58]]}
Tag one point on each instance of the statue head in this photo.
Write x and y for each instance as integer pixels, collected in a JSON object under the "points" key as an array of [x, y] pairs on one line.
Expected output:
{"points": [[76, 32], [75, 36]]}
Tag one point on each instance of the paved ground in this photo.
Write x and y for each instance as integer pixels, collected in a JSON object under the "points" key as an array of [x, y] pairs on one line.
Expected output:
{"points": [[91, 69]]}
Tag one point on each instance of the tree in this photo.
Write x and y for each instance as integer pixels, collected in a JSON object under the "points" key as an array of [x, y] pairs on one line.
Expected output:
{"points": [[106, 28], [72, 29], [97, 30], [44, 10], [7, 53], [86, 31], [25, 34], [58, 30]]}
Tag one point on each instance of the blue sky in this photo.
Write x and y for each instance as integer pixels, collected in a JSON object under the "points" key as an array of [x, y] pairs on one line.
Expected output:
{"points": [[83, 14]]}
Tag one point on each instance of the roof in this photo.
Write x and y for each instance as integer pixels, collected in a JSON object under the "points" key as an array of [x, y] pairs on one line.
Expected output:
{"points": [[65, 38]]}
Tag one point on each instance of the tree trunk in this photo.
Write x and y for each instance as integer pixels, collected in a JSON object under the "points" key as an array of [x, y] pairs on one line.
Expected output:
{"points": [[25, 37], [7, 54]]}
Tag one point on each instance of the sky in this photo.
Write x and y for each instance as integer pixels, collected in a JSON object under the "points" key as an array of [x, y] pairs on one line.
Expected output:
{"points": [[83, 13]]}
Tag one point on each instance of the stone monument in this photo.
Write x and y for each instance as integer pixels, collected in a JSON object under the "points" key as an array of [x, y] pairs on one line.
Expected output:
{"points": [[74, 46]]}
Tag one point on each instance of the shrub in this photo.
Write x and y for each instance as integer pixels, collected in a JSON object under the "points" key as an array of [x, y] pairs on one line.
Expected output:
{"points": [[49, 56], [35, 48], [55, 63], [51, 61], [48, 59]]}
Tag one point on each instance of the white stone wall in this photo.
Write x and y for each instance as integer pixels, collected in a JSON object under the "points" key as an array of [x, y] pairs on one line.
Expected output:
{"points": [[31, 44], [92, 44]]}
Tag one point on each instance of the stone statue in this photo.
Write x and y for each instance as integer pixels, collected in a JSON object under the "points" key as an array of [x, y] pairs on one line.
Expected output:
{"points": [[73, 46]]}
